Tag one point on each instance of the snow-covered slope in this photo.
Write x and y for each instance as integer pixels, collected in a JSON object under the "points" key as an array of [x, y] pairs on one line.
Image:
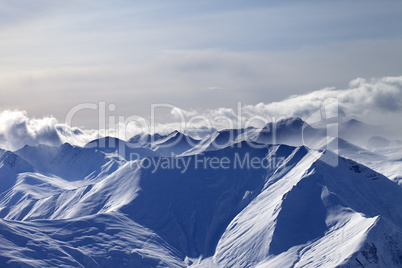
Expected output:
{"points": [[175, 143], [69, 162], [10, 166], [315, 215], [385, 160], [95, 241], [224, 201], [292, 131], [219, 140], [357, 132]]}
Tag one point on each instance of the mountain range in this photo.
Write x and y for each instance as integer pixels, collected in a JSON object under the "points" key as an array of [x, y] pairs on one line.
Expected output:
{"points": [[285, 195]]}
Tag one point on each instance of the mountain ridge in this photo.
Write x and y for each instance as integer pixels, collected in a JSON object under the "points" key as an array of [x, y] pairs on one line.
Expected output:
{"points": [[247, 203]]}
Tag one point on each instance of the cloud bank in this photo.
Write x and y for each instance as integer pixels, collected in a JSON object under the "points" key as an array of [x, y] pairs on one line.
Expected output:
{"points": [[373, 100], [18, 130], [365, 99], [362, 97]]}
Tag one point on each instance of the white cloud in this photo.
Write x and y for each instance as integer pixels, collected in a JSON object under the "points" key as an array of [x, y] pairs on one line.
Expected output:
{"points": [[215, 88], [375, 98], [18, 130]]}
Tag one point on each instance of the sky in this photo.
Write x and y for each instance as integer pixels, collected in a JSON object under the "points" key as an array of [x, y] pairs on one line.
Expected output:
{"points": [[196, 55]]}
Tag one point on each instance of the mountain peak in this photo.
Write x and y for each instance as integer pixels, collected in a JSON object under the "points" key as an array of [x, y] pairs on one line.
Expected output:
{"points": [[14, 162], [106, 142]]}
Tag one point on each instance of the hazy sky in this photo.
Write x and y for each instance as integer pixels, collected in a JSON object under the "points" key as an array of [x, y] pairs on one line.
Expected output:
{"points": [[196, 55]]}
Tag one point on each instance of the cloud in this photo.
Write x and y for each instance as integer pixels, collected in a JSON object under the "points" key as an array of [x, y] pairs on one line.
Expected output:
{"points": [[181, 77], [214, 88], [18, 130], [362, 97], [366, 99], [74, 52]]}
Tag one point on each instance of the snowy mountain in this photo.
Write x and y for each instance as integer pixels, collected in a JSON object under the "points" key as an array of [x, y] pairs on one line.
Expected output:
{"points": [[232, 199], [358, 132], [174, 143], [309, 216], [292, 131], [10, 167], [387, 161]]}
